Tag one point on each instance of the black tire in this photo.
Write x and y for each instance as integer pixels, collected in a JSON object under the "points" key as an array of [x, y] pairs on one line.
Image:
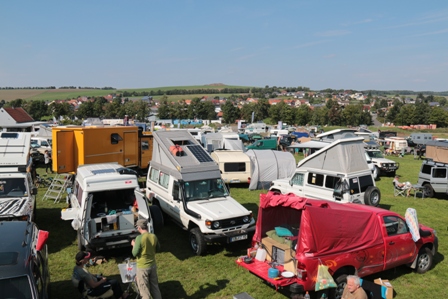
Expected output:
{"points": [[341, 282], [372, 196], [80, 246], [424, 260], [197, 241], [393, 173], [428, 190], [157, 218]]}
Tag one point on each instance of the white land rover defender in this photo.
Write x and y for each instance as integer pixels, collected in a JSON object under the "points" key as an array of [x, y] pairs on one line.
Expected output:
{"points": [[105, 202], [337, 172], [382, 165], [186, 183]]}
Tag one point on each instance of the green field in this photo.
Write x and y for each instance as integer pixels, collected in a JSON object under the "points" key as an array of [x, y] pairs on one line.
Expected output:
{"points": [[183, 275], [65, 94]]}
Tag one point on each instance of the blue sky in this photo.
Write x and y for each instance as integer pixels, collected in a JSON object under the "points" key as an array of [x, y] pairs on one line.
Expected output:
{"points": [[383, 45]]}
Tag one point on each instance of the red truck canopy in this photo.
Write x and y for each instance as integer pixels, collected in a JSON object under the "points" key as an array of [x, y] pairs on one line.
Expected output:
{"points": [[324, 227]]}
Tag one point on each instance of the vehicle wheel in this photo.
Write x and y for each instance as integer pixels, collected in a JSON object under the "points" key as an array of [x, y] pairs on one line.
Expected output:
{"points": [[197, 241], [372, 196], [341, 282], [157, 218], [424, 260], [428, 190], [376, 173], [393, 173], [80, 246]]}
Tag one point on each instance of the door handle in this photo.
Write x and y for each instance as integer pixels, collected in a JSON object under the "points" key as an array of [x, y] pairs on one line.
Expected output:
{"points": [[391, 243]]}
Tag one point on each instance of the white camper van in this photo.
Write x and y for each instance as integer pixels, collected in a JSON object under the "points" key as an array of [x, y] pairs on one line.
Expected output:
{"points": [[105, 202], [17, 191], [338, 172], [235, 166], [186, 183]]}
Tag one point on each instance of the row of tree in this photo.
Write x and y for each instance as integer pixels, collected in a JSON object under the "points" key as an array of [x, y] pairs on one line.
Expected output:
{"points": [[330, 113]]}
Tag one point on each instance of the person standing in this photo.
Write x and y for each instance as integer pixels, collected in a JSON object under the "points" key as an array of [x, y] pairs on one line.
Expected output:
{"points": [[48, 161], [144, 248], [353, 289]]}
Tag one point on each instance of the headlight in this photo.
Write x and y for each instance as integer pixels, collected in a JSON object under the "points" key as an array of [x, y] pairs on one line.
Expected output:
{"points": [[216, 224], [246, 219]]}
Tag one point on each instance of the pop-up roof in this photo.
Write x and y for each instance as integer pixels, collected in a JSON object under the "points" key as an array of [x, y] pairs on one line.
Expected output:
{"points": [[179, 154], [14, 149]]}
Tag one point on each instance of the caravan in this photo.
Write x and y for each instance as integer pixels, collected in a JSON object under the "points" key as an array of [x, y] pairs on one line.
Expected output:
{"points": [[235, 166]]}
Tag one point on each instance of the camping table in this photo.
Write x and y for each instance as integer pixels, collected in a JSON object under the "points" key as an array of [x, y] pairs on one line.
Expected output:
{"points": [[419, 188]]}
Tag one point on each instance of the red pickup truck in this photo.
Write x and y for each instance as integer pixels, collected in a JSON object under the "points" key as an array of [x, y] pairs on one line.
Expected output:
{"points": [[348, 238]]}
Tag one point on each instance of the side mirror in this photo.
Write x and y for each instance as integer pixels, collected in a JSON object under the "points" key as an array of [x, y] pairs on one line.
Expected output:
{"points": [[34, 191]]}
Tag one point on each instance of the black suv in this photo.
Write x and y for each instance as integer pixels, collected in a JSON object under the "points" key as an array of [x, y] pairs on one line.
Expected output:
{"points": [[24, 269]]}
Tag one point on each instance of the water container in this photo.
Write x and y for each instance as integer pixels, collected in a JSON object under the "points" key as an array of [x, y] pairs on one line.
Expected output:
{"points": [[261, 255], [273, 273]]}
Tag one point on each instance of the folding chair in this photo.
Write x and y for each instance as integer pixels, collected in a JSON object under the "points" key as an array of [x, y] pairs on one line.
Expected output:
{"points": [[399, 191]]}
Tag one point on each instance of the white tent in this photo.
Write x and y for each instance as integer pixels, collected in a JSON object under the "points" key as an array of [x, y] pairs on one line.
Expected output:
{"points": [[269, 165]]}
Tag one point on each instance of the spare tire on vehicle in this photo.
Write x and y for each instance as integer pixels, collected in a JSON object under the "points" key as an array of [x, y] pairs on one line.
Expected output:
{"points": [[372, 196]]}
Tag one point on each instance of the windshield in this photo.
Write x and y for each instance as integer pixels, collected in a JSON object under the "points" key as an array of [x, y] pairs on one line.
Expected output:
{"points": [[375, 154], [12, 187], [16, 287], [205, 189]]}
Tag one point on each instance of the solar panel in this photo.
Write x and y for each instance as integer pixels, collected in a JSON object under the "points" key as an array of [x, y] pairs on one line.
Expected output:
{"points": [[200, 154], [102, 171]]}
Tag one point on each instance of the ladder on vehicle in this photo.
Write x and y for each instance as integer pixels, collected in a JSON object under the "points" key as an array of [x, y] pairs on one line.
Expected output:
{"points": [[58, 186]]}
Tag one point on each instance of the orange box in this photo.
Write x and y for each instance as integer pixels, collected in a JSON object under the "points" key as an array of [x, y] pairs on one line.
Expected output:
{"points": [[289, 253]]}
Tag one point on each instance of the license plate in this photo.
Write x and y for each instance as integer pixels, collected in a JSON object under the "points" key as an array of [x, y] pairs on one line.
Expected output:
{"points": [[238, 238], [393, 168], [234, 181]]}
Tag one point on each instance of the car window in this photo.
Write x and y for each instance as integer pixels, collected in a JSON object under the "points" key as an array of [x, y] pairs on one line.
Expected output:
{"points": [[297, 179], [154, 175], [330, 181], [439, 172], [395, 225], [354, 185], [365, 182], [316, 179], [16, 287]]}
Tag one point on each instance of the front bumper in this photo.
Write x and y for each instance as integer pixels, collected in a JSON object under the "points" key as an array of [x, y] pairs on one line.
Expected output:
{"points": [[232, 236]]}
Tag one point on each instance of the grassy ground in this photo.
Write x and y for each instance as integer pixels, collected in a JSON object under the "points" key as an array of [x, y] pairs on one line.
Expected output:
{"points": [[183, 275]]}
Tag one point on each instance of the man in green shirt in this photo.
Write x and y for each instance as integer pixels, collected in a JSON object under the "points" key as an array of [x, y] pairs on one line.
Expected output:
{"points": [[144, 249]]}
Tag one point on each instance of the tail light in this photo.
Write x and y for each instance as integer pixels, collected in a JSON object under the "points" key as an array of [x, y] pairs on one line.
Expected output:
{"points": [[248, 180]]}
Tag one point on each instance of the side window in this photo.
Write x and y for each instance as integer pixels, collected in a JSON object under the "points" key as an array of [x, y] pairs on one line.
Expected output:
{"points": [[365, 182], [426, 169], [154, 175], [297, 179], [235, 167], [395, 225], [316, 179], [79, 194], [145, 145], [439, 172], [176, 194], [331, 181], [164, 180], [354, 186]]}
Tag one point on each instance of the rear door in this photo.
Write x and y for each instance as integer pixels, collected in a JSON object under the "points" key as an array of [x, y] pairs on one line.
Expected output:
{"points": [[64, 157], [143, 209]]}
